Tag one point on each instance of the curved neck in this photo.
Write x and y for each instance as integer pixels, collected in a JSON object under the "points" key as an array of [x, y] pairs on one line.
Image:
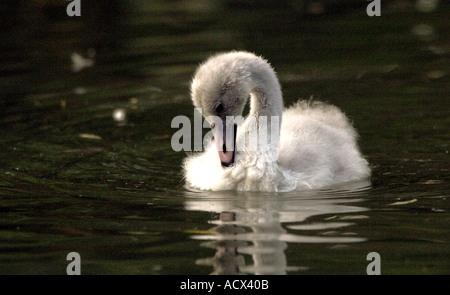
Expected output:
{"points": [[265, 92], [266, 102]]}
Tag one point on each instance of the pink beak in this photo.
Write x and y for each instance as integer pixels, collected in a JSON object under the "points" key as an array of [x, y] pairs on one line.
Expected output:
{"points": [[225, 144]]}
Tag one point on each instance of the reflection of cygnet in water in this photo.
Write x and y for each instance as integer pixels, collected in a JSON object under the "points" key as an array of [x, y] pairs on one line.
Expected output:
{"points": [[227, 259], [251, 225], [233, 239], [267, 249]]}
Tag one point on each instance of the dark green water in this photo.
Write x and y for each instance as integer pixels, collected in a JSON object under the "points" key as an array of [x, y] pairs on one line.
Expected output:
{"points": [[74, 179]]}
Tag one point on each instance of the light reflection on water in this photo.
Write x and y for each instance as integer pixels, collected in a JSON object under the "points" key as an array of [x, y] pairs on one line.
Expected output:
{"points": [[261, 226]]}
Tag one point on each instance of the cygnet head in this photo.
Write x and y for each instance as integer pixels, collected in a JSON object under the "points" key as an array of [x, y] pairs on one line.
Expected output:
{"points": [[221, 87]]}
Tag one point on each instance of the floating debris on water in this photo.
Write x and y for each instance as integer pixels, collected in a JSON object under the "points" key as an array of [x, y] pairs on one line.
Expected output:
{"points": [[89, 136], [79, 62], [427, 5], [424, 32], [403, 202]]}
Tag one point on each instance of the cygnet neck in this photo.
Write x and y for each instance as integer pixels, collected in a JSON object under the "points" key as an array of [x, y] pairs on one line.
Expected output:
{"points": [[265, 101], [265, 91]]}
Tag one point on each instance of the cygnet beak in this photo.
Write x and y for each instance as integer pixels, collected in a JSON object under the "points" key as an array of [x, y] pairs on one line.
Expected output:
{"points": [[225, 143]]}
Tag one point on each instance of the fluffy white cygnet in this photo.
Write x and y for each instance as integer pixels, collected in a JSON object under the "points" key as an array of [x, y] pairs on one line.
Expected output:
{"points": [[314, 147]]}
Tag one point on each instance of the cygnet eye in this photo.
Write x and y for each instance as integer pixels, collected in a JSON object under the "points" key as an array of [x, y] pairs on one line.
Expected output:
{"points": [[219, 108], [213, 125]]}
